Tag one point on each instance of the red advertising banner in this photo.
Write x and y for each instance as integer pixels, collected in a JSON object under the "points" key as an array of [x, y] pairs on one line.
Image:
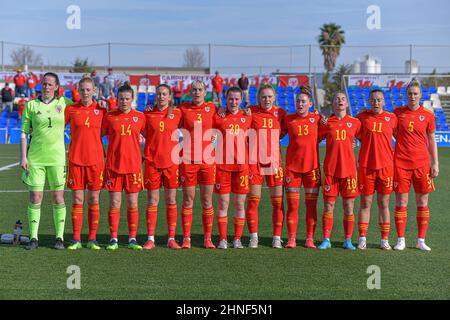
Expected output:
{"points": [[293, 81], [144, 80]]}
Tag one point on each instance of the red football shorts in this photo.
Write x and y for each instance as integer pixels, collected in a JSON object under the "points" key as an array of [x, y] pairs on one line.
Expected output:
{"points": [[310, 180], [346, 187], [274, 176], [420, 177], [85, 177], [193, 174], [231, 181], [380, 180], [130, 182], [155, 178]]}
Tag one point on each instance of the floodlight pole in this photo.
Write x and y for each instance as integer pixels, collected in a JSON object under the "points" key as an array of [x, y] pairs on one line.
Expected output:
{"points": [[410, 59], [209, 57], [3, 65], [109, 54], [309, 65]]}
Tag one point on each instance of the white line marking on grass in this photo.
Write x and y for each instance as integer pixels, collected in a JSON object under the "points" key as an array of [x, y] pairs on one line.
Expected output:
{"points": [[9, 166], [22, 191]]}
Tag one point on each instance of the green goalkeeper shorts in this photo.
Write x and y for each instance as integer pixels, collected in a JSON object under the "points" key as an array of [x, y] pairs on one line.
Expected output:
{"points": [[35, 180]]}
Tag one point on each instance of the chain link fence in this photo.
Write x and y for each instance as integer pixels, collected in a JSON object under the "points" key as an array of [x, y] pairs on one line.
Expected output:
{"points": [[232, 59]]}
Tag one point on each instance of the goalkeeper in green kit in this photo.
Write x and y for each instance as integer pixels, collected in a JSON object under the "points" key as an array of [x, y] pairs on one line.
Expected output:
{"points": [[44, 158]]}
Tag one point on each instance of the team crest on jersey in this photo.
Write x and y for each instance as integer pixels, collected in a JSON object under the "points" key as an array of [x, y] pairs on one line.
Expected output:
{"points": [[349, 124], [97, 112], [135, 119], [207, 109], [275, 113], [387, 119], [171, 116], [312, 120], [327, 188], [218, 186], [243, 120], [58, 109], [421, 118]]}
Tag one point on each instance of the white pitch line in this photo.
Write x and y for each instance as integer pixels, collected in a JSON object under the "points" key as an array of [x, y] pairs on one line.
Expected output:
{"points": [[23, 191], [9, 166]]}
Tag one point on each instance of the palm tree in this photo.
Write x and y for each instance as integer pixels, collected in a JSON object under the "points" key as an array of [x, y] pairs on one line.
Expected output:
{"points": [[331, 39]]}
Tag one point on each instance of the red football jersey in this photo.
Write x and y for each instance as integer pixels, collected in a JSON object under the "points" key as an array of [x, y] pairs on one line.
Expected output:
{"points": [[232, 145], [159, 145], [376, 139], [267, 123], [198, 122], [411, 149], [303, 150], [86, 148], [124, 150], [340, 160]]}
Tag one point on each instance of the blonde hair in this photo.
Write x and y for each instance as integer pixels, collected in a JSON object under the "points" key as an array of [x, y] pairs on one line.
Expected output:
{"points": [[197, 83], [414, 83], [263, 87], [86, 79]]}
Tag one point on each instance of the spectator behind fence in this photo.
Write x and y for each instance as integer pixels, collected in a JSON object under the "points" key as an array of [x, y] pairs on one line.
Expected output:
{"points": [[110, 78], [177, 93], [21, 105], [243, 84], [105, 87], [75, 94], [31, 84], [7, 97], [19, 81], [217, 83], [97, 80]]}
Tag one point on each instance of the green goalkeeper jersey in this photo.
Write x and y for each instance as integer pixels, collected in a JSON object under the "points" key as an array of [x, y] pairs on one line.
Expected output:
{"points": [[45, 123]]}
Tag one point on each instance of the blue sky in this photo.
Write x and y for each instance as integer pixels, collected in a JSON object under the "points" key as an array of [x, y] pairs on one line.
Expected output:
{"points": [[242, 22]]}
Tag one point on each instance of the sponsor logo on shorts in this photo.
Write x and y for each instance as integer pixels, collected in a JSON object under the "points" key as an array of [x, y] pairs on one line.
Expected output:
{"points": [[135, 119], [421, 118], [327, 188], [349, 124]]}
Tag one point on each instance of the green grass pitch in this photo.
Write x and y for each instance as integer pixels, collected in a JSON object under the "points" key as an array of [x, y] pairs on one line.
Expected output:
{"points": [[263, 273]]}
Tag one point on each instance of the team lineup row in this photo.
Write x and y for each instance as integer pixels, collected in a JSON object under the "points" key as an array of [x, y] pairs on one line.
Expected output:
{"points": [[235, 166]]}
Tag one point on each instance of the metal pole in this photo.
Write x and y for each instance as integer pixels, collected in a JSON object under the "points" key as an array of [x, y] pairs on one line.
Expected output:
{"points": [[410, 60], [309, 66], [290, 59], [209, 57], [109, 54], [3, 54]]}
